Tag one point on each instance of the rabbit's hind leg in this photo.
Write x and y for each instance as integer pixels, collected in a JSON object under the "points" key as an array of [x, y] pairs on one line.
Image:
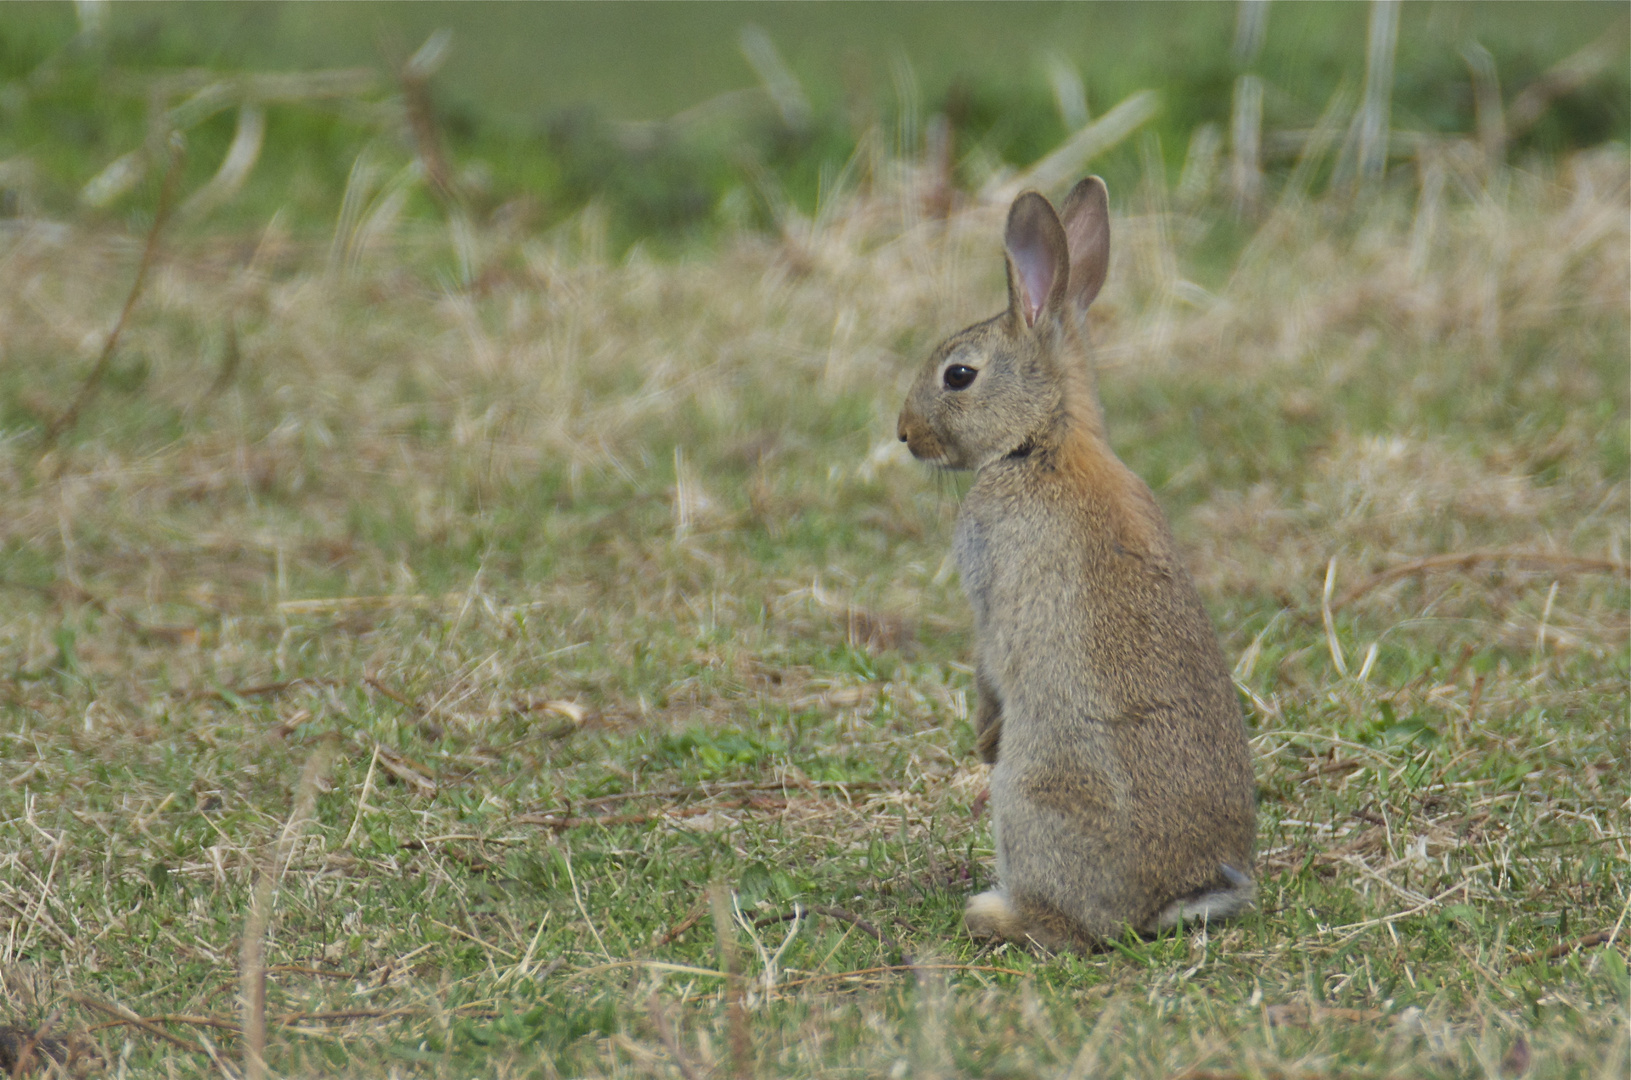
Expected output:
{"points": [[995, 915], [990, 915]]}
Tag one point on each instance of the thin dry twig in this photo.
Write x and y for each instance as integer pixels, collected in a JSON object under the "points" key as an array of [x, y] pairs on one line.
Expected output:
{"points": [[1466, 561], [561, 824], [221, 1023], [691, 918], [1331, 641], [298, 969], [173, 1018], [710, 790], [93, 381], [266, 689], [253, 960], [889, 969], [1564, 948], [665, 1035], [739, 1034], [468, 936], [1353, 929], [406, 770], [469, 862], [1329, 767], [577, 898], [372, 1014], [126, 1016], [395, 695], [889, 943], [253, 975]]}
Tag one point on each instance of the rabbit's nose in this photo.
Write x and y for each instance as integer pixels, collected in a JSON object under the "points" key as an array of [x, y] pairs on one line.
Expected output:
{"points": [[900, 429]]}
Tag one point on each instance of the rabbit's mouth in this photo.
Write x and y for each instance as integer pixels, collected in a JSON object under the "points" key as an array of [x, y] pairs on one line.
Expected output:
{"points": [[924, 446], [940, 460]]}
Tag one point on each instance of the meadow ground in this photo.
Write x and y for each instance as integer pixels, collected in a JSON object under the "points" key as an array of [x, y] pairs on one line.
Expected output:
{"points": [[493, 665]]}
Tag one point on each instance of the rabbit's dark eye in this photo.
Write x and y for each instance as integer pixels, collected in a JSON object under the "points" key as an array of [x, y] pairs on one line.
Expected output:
{"points": [[960, 377]]}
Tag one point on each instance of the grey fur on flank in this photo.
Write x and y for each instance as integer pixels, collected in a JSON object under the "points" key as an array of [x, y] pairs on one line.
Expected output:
{"points": [[1122, 793]]}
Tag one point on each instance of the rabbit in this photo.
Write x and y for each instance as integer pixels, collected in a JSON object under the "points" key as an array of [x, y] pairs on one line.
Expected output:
{"points": [[1121, 791]]}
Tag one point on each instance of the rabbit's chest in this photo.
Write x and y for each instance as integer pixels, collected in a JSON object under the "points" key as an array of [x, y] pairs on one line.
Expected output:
{"points": [[1014, 568], [971, 549]]}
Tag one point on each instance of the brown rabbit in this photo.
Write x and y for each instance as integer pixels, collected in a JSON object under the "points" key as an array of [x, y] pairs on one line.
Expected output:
{"points": [[1122, 791]]}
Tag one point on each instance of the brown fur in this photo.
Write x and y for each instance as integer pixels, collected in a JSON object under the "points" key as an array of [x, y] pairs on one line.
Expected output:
{"points": [[1122, 790]]}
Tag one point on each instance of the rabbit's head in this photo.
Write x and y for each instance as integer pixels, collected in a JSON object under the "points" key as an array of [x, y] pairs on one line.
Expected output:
{"points": [[999, 385]]}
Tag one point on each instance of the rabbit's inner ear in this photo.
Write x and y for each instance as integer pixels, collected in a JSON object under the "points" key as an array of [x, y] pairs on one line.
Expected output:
{"points": [[1034, 278], [1038, 256], [1086, 218]]}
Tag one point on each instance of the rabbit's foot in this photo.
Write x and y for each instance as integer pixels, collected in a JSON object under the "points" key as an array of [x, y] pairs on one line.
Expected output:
{"points": [[990, 915]]}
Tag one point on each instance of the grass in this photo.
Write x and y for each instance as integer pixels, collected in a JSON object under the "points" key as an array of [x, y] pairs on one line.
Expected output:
{"points": [[357, 592]]}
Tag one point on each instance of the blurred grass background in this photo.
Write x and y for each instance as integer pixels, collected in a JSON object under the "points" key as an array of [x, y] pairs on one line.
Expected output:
{"points": [[547, 106]]}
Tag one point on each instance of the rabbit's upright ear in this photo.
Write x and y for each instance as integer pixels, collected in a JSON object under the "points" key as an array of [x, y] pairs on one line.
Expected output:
{"points": [[1087, 228], [1038, 258]]}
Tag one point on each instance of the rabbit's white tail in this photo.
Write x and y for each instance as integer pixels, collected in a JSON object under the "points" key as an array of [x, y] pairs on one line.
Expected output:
{"points": [[1209, 906]]}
